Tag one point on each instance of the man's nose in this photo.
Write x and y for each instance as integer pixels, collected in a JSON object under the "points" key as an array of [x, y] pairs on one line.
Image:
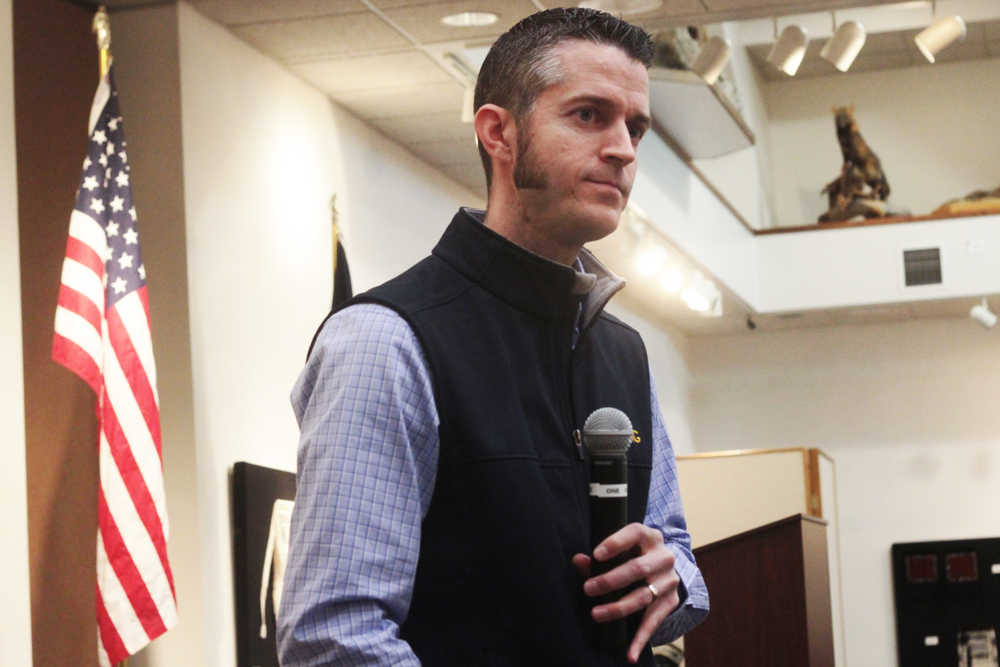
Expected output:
{"points": [[618, 144]]}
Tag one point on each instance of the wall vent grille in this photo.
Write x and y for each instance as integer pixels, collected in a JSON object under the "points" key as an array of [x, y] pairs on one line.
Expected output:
{"points": [[922, 266]]}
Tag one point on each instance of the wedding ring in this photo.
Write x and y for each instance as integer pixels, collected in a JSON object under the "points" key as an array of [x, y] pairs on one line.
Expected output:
{"points": [[652, 589]]}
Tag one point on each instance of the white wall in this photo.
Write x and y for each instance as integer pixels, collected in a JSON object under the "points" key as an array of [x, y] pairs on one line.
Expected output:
{"points": [[831, 268], [682, 208], [908, 412], [263, 153], [667, 349], [932, 127], [744, 176], [15, 617]]}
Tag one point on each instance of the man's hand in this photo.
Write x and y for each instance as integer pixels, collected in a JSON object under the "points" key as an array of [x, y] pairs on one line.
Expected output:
{"points": [[654, 565]]}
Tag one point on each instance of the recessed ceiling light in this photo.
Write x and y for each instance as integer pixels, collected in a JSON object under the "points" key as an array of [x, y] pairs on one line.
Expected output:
{"points": [[622, 7], [470, 19]]}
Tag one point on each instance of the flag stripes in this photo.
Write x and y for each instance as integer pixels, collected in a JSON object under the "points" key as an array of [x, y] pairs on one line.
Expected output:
{"points": [[102, 334]]}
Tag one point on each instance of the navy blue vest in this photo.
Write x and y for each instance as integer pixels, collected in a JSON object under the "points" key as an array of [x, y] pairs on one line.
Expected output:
{"points": [[494, 583]]}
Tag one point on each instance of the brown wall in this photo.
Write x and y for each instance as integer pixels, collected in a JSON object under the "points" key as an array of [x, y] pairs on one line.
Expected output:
{"points": [[147, 70], [55, 74]]}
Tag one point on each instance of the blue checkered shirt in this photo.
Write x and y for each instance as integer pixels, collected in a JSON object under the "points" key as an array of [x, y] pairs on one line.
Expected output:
{"points": [[366, 468]]}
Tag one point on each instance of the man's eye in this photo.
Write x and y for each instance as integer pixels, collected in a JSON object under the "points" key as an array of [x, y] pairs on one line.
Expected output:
{"points": [[586, 115]]}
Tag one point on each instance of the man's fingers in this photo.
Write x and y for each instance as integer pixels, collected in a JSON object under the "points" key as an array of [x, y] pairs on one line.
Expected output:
{"points": [[655, 613], [640, 598], [642, 568], [622, 540]]}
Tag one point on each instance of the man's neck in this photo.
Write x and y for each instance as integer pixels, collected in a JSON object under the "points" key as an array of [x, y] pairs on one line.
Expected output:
{"points": [[506, 217]]}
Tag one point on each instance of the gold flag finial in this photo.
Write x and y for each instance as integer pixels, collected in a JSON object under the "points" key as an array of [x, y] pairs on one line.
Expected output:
{"points": [[102, 28]]}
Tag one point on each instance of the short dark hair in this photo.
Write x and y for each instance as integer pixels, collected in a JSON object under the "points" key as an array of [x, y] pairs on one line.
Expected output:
{"points": [[518, 66]]}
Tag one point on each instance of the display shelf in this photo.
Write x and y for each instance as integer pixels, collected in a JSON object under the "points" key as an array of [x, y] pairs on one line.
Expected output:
{"points": [[870, 222], [696, 117]]}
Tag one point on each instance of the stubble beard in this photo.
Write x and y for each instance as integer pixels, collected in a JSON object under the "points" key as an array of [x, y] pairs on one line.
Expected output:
{"points": [[527, 174]]}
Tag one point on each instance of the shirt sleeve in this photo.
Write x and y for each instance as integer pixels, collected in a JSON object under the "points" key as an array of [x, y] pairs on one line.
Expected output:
{"points": [[665, 512], [367, 461]]}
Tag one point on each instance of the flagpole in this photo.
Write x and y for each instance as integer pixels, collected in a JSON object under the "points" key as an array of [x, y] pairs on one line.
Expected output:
{"points": [[101, 27]]}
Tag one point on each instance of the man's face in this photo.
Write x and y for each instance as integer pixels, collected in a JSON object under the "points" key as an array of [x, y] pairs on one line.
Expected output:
{"points": [[575, 160]]}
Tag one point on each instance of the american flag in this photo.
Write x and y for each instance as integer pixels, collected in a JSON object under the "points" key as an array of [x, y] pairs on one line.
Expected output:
{"points": [[102, 334]]}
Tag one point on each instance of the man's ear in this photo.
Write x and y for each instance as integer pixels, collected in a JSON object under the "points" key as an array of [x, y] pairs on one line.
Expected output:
{"points": [[496, 131]]}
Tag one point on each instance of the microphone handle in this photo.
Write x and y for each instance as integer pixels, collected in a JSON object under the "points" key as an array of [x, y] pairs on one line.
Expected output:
{"points": [[608, 514]]}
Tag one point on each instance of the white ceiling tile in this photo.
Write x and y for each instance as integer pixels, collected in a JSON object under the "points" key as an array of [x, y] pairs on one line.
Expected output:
{"points": [[669, 9], [406, 69], [236, 12], [468, 174], [327, 36], [732, 5], [423, 22], [441, 153], [402, 102], [444, 125]]}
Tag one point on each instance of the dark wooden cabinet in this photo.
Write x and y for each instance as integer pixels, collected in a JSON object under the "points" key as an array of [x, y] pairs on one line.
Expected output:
{"points": [[770, 599]]}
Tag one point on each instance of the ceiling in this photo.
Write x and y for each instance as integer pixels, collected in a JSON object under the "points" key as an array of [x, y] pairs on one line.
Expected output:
{"points": [[383, 61], [887, 50]]}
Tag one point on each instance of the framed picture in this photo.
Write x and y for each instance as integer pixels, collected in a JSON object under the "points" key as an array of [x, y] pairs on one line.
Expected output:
{"points": [[259, 524]]}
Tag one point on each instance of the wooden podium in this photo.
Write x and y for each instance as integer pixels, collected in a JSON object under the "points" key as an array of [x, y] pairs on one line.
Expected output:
{"points": [[769, 590]]}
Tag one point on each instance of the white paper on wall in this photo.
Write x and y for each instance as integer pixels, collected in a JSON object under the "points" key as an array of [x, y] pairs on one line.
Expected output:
{"points": [[275, 553]]}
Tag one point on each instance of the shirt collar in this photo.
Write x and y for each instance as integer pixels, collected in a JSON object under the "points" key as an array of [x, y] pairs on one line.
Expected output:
{"points": [[524, 278]]}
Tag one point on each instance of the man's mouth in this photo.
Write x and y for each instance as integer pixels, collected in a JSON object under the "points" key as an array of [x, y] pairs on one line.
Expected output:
{"points": [[608, 183]]}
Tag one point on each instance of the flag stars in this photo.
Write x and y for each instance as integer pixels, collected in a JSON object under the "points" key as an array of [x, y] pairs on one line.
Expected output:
{"points": [[119, 285], [121, 179], [113, 123], [142, 271], [111, 149], [123, 156], [106, 256], [131, 212], [117, 204], [112, 229], [125, 261], [103, 160], [89, 183], [100, 137], [130, 236], [87, 163], [97, 205]]}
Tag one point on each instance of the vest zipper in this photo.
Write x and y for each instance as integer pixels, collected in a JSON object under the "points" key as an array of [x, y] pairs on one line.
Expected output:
{"points": [[578, 441]]}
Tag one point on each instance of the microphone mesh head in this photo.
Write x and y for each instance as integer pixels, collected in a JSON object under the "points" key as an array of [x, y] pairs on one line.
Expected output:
{"points": [[607, 431]]}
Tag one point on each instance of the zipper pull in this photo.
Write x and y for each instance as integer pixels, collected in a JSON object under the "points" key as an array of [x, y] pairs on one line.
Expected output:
{"points": [[578, 441]]}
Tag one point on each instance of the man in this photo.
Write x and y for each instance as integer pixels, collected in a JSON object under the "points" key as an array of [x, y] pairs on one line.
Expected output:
{"points": [[442, 507]]}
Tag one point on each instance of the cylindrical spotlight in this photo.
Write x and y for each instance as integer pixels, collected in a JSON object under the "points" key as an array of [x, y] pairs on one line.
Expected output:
{"points": [[982, 314], [939, 34], [788, 51], [711, 59], [845, 44]]}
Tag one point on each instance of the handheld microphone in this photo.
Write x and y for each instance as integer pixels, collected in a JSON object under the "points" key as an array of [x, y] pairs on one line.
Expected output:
{"points": [[607, 434]]}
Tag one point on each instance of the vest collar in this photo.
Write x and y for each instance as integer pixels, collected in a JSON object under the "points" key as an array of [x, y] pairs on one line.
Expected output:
{"points": [[522, 278]]}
